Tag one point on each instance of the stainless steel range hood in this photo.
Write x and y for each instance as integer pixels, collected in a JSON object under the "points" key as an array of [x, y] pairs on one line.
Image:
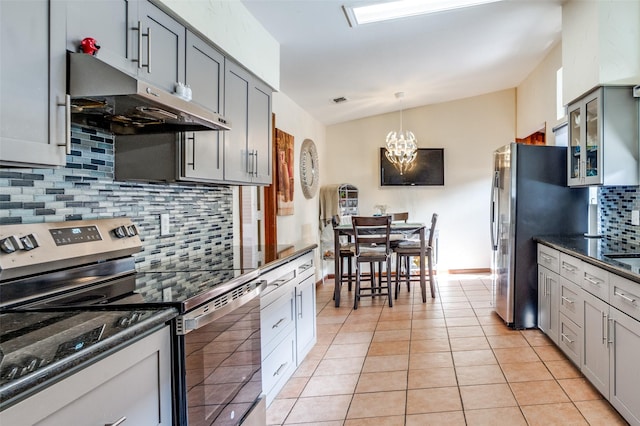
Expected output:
{"points": [[106, 98]]}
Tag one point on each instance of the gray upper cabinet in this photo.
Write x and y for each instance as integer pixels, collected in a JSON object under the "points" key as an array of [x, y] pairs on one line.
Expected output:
{"points": [[163, 47], [603, 138], [202, 151], [247, 147], [113, 24], [32, 84]]}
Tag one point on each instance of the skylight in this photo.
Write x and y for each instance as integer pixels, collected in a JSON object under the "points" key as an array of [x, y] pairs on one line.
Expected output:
{"points": [[360, 15]]}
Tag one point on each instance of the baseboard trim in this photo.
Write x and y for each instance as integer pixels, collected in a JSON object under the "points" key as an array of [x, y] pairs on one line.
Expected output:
{"points": [[470, 271]]}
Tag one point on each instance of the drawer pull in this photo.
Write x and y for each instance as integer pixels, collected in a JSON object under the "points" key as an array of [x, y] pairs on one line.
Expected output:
{"points": [[546, 258], [565, 337], [279, 370], [605, 328], [117, 422], [625, 297], [568, 267], [276, 325], [590, 281], [566, 299]]}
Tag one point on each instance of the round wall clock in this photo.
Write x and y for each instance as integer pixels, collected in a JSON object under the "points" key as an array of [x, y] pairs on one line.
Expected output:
{"points": [[309, 173]]}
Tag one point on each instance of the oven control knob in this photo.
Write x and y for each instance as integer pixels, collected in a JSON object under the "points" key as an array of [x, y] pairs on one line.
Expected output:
{"points": [[132, 231], [29, 242], [9, 244], [120, 232]]}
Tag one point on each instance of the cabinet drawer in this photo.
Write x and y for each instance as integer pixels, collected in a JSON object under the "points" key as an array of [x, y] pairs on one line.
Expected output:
{"points": [[624, 294], [571, 268], [595, 281], [570, 301], [549, 258], [276, 319], [570, 339], [279, 366]]}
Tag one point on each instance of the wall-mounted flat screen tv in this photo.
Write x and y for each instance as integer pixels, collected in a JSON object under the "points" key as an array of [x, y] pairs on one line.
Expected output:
{"points": [[428, 169]]}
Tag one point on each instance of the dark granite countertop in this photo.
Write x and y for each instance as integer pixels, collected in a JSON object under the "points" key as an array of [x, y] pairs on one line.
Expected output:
{"points": [[595, 251], [38, 349]]}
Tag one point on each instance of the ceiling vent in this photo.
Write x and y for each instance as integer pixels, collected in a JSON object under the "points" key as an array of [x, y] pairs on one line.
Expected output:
{"points": [[339, 100]]}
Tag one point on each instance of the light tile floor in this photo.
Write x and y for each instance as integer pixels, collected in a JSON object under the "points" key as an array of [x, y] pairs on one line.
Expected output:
{"points": [[450, 361]]}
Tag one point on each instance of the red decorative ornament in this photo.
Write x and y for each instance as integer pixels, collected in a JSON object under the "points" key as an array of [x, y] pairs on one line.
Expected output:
{"points": [[88, 45]]}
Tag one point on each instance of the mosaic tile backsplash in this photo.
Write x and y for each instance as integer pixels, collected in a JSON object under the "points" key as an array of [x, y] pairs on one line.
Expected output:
{"points": [[616, 203], [201, 216]]}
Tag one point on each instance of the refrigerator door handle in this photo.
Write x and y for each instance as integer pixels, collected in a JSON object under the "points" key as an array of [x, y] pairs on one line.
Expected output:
{"points": [[494, 208]]}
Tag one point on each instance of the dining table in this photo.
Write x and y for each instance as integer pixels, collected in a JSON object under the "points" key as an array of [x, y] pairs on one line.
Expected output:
{"points": [[403, 228]]}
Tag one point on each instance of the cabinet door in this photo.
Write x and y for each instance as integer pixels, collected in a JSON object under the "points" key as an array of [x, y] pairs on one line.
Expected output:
{"points": [[204, 73], [111, 23], [548, 295], [163, 48], [592, 156], [32, 83], [305, 317], [595, 355], [574, 152], [260, 133], [625, 375], [237, 85]]}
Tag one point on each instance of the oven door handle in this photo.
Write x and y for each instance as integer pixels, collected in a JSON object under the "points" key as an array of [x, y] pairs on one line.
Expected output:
{"points": [[187, 323]]}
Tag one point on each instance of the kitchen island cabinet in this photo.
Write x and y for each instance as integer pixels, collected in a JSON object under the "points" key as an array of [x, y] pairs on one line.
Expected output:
{"points": [[33, 102], [247, 146], [132, 384]]}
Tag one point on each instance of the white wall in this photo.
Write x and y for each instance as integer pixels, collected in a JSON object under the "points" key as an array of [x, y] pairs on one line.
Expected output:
{"points": [[302, 226], [536, 98], [601, 42], [230, 26], [469, 130]]}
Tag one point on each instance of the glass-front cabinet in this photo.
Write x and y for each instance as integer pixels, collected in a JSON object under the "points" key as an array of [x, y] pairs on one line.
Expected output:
{"points": [[603, 138]]}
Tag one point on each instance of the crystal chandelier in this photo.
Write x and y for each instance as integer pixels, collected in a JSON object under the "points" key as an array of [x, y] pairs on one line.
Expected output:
{"points": [[401, 146]]}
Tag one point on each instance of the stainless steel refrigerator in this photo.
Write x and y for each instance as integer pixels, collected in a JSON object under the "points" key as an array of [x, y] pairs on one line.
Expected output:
{"points": [[529, 197]]}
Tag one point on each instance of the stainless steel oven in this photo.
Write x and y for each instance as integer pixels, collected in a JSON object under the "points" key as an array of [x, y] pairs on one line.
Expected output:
{"points": [[216, 337]]}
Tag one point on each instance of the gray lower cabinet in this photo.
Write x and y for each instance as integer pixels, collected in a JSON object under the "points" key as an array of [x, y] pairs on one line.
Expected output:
{"points": [[595, 359], [132, 384], [548, 294], [599, 328], [32, 84], [624, 333], [247, 146], [287, 321]]}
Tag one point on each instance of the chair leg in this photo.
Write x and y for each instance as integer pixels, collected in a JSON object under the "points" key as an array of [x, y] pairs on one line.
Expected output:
{"points": [[398, 263], [431, 278], [388, 281], [350, 272], [356, 296], [408, 268]]}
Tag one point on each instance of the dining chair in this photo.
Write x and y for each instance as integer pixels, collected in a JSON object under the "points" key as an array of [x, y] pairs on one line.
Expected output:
{"points": [[347, 254], [406, 249], [372, 246]]}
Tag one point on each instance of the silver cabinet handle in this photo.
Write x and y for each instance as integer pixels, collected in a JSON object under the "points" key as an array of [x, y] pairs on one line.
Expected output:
{"points": [[546, 258], [568, 267], [193, 151], [276, 325], [255, 164], [279, 370], [605, 328], [624, 296], [117, 422], [565, 337], [300, 310], [566, 299], [67, 123], [592, 281], [148, 36]]}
